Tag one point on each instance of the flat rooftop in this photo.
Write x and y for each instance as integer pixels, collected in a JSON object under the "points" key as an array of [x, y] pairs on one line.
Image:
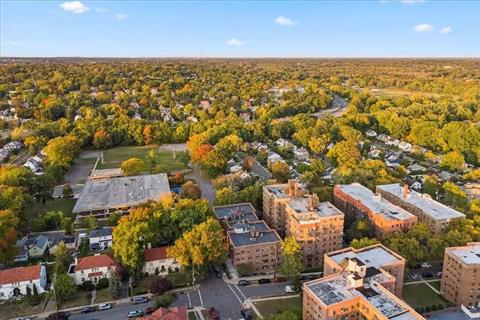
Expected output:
{"points": [[375, 202], [424, 202], [121, 192], [469, 254], [377, 256], [241, 235], [338, 289], [278, 190], [322, 210], [240, 211]]}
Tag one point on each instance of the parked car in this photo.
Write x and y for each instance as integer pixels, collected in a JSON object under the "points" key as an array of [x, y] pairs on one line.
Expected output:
{"points": [[243, 283], [289, 289], [426, 265], [138, 300], [438, 274], [246, 314], [427, 274], [416, 276], [135, 313], [89, 309], [279, 279], [214, 314], [59, 316], [104, 306], [263, 281], [149, 310]]}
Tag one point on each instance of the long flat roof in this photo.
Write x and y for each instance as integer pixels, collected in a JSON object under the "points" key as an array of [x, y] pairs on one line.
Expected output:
{"points": [[236, 211], [375, 202], [424, 202], [377, 256], [243, 237], [323, 209], [469, 254], [121, 192]]}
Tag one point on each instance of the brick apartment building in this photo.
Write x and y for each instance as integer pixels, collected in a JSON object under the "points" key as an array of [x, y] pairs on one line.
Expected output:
{"points": [[461, 275], [317, 227], [385, 217], [275, 198], [356, 289], [436, 215], [254, 247], [377, 256]]}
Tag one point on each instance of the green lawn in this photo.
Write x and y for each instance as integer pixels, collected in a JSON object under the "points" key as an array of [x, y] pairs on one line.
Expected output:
{"points": [[435, 284], [22, 308], [80, 298], [61, 204], [103, 295], [179, 279], [270, 307], [141, 286], [114, 157], [420, 295]]}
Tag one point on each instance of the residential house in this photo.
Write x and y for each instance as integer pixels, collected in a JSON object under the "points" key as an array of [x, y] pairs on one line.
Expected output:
{"points": [[100, 239], [393, 159], [301, 154], [158, 263], [374, 152], [31, 247], [34, 166], [383, 137], [282, 143], [14, 282], [371, 134], [92, 268], [405, 146], [69, 241]]}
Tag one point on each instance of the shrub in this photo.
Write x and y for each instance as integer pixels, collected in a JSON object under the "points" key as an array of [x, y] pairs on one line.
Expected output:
{"points": [[102, 283], [165, 300], [86, 286], [159, 285]]}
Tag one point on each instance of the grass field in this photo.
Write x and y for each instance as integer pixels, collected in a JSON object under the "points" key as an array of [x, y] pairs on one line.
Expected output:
{"points": [[420, 295], [435, 284], [270, 307], [23, 308], [114, 157], [61, 204]]}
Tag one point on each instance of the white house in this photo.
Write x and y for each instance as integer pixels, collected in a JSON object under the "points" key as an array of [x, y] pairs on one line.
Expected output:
{"points": [[157, 262], [301, 154], [371, 134], [14, 282], [282, 143], [405, 146], [92, 268], [274, 157], [100, 239]]}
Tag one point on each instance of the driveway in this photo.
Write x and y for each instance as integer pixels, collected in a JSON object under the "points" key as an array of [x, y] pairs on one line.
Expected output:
{"points": [[205, 185]]}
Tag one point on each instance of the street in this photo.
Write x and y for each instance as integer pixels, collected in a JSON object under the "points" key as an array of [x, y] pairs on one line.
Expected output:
{"points": [[213, 292]]}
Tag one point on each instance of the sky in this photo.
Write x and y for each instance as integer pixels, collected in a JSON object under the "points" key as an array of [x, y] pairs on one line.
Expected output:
{"points": [[376, 28]]}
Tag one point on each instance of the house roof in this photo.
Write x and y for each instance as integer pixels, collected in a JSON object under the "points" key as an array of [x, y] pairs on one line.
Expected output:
{"points": [[154, 254], [174, 313], [20, 274], [103, 232], [102, 260]]}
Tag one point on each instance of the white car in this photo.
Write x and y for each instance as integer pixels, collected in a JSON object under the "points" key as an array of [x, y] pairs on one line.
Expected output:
{"points": [[135, 313], [289, 289], [104, 306], [426, 265]]}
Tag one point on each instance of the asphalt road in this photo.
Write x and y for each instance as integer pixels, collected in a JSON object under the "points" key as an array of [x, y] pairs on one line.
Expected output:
{"points": [[213, 292]]}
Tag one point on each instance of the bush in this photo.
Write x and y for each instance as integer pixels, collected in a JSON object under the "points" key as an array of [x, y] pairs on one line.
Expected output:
{"points": [[427, 309], [165, 300], [102, 283], [434, 307], [86, 286], [159, 285]]}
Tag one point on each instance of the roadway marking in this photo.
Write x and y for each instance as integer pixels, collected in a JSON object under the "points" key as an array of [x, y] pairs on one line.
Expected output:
{"points": [[236, 296], [240, 291], [189, 301], [200, 296], [431, 287]]}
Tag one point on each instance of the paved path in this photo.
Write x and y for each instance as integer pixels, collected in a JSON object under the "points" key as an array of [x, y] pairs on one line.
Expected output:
{"points": [[208, 192]]}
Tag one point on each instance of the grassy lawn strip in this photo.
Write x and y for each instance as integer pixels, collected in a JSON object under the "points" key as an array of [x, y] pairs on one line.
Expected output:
{"points": [[80, 298], [269, 307], [61, 204], [103, 295], [114, 157], [420, 295], [435, 284], [22, 308]]}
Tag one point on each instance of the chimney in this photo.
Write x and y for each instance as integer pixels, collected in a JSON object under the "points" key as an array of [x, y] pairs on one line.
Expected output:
{"points": [[406, 191], [254, 233], [313, 202]]}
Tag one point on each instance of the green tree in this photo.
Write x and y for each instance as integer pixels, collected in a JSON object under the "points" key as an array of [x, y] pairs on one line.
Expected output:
{"points": [[89, 222], [453, 161], [62, 258], [363, 242], [281, 171], [115, 285], [291, 258], [63, 287], [133, 167], [190, 190]]}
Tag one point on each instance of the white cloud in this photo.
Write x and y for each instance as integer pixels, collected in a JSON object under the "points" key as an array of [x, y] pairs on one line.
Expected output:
{"points": [[235, 42], [424, 27], [74, 6], [446, 30], [284, 21], [101, 10], [121, 16]]}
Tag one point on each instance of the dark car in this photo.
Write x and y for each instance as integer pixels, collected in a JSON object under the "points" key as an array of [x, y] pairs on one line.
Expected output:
{"points": [[427, 274], [149, 310], [279, 279], [59, 316], [214, 314], [89, 309], [263, 281], [246, 314], [243, 283]]}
